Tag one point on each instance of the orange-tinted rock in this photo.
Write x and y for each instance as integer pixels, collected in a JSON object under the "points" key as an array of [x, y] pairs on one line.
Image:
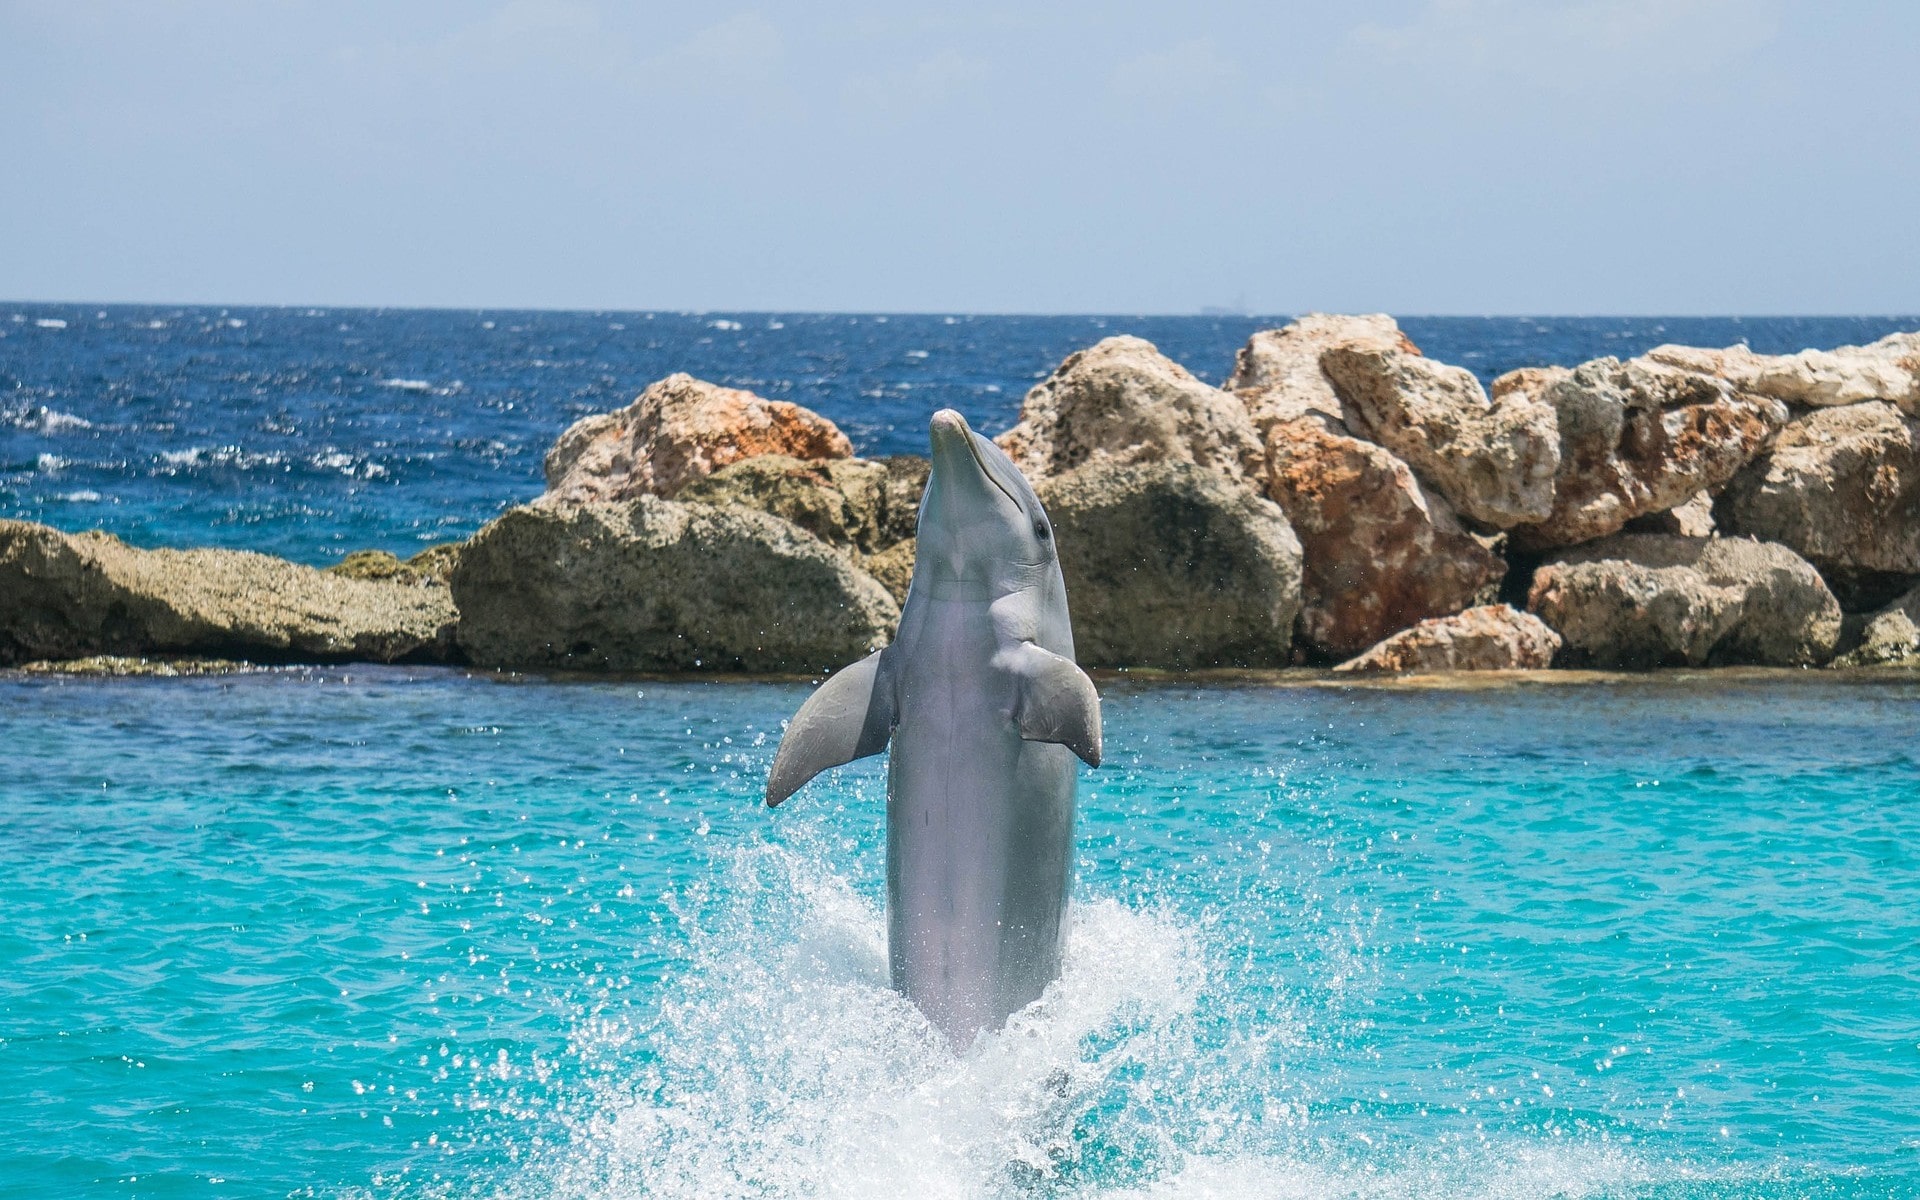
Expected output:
{"points": [[678, 430], [1493, 637], [1381, 552]]}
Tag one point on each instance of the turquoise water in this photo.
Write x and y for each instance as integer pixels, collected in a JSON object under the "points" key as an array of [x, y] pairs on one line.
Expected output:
{"points": [[392, 933]]}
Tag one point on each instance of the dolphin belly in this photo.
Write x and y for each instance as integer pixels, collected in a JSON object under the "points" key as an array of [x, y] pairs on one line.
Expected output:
{"points": [[979, 847]]}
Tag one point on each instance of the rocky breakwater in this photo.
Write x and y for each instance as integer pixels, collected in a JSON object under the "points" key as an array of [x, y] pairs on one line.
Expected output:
{"points": [[73, 596], [616, 568], [1343, 499], [1414, 492]]}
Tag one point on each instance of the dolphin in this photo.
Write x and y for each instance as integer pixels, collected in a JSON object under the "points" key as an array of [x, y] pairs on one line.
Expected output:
{"points": [[986, 710]]}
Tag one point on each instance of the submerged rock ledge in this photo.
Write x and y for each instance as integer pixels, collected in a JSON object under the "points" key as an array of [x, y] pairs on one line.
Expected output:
{"points": [[1341, 500]]}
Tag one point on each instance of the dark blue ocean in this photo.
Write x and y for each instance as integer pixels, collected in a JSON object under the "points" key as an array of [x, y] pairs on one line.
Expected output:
{"points": [[389, 933], [311, 432]]}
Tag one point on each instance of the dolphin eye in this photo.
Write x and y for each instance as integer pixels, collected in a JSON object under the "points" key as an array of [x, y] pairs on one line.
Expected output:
{"points": [[1041, 531]]}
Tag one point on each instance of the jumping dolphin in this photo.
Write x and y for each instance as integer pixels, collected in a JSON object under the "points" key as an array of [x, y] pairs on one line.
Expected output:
{"points": [[986, 710]]}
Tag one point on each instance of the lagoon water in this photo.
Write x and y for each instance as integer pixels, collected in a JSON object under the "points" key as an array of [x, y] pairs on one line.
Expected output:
{"points": [[384, 932]]}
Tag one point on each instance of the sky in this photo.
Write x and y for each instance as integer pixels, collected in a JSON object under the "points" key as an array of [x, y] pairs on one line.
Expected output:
{"points": [[1417, 157]]}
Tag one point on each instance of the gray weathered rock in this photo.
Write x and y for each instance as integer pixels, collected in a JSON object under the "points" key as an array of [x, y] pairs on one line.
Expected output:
{"points": [[866, 508], [1278, 375], [433, 563], [1122, 401], [68, 596], [851, 503], [1891, 637], [1493, 637], [657, 585], [1638, 600], [1637, 437], [678, 430], [1841, 486], [1170, 565], [1494, 460], [1888, 370], [1382, 553]]}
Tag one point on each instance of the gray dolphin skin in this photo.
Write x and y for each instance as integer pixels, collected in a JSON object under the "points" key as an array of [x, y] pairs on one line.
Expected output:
{"points": [[985, 709]]}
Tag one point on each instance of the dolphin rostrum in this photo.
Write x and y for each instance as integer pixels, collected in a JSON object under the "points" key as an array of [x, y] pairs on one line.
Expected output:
{"points": [[986, 710]]}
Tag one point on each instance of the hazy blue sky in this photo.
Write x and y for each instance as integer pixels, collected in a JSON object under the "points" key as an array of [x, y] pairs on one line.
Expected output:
{"points": [[1426, 156]]}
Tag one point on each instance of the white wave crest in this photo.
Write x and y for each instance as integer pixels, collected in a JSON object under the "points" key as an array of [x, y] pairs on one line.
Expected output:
{"points": [[41, 419], [408, 385]]}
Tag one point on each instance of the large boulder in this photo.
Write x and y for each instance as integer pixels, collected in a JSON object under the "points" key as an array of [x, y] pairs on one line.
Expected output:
{"points": [[1639, 600], [1382, 552], [1841, 486], [867, 508], [1637, 437], [1493, 637], [678, 430], [68, 596], [1888, 370], [1170, 565], [1890, 637], [1494, 460], [1278, 376], [1123, 401], [658, 585]]}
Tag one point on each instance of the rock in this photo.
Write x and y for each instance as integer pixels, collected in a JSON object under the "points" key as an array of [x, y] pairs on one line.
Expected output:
{"points": [[433, 563], [1638, 600], [678, 430], [1888, 370], [1382, 553], [1494, 460], [893, 567], [437, 562], [1122, 401], [1493, 637], [658, 585], [867, 508], [1692, 519], [1890, 637], [115, 666], [66, 596], [850, 503], [1171, 565], [1635, 438], [1841, 486], [1277, 374]]}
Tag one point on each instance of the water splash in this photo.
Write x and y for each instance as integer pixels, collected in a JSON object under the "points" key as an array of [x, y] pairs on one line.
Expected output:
{"points": [[781, 1063]]}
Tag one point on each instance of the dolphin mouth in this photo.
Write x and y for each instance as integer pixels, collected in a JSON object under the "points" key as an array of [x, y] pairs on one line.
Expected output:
{"points": [[949, 424]]}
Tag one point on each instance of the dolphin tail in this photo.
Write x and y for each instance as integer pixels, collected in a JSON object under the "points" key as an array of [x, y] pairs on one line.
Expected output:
{"points": [[1057, 703], [849, 716]]}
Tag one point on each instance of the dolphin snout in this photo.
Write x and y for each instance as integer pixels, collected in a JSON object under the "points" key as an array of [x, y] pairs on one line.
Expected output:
{"points": [[947, 422]]}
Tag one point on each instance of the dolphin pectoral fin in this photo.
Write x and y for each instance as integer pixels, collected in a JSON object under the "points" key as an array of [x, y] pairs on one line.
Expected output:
{"points": [[847, 717], [1058, 703]]}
